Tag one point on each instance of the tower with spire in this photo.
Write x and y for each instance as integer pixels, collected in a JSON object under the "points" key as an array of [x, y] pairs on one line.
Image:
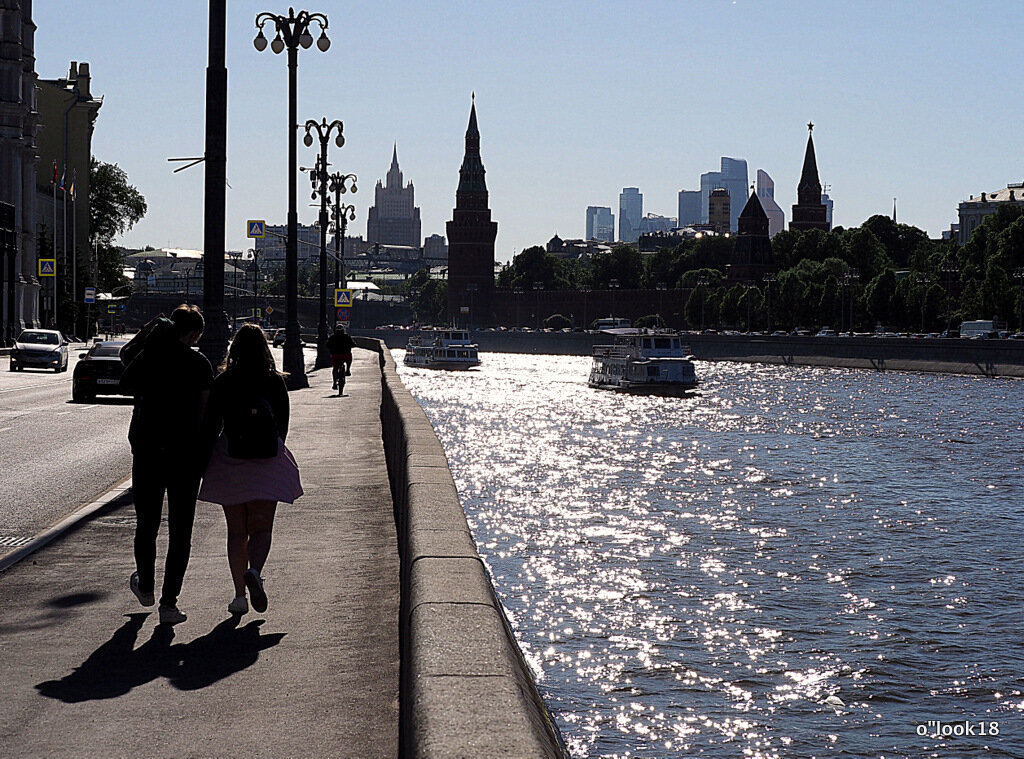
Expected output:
{"points": [[471, 235], [394, 218], [752, 256], [809, 212]]}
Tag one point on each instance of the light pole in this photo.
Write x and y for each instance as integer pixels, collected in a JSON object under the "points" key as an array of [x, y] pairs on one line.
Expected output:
{"points": [[471, 288], [341, 215], [518, 291], [292, 31], [538, 286], [319, 177], [849, 279], [923, 280], [613, 285], [255, 280], [702, 283], [661, 287], [1018, 275], [768, 279], [949, 269], [748, 286]]}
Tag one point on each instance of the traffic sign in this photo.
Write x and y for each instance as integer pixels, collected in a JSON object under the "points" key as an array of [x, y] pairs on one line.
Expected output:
{"points": [[47, 267], [90, 295], [342, 298], [256, 228], [270, 310], [111, 308], [343, 314], [257, 313]]}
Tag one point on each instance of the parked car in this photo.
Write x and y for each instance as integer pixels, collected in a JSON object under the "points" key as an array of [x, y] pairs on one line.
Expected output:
{"points": [[277, 338], [98, 372], [41, 349]]}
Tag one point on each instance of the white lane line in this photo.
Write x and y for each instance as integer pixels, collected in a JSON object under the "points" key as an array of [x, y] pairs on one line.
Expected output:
{"points": [[63, 413], [4, 429]]}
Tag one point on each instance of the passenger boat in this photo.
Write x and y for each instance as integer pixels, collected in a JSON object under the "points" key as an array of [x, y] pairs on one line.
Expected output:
{"points": [[645, 363], [442, 349]]}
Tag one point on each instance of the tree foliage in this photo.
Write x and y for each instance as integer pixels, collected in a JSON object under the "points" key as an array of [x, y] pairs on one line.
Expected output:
{"points": [[115, 206]]}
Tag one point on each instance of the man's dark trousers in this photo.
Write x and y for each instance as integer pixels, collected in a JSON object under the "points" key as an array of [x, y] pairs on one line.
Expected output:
{"points": [[153, 474]]}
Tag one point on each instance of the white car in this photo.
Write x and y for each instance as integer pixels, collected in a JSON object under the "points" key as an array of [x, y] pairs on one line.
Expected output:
{"points": [[40, 349]]}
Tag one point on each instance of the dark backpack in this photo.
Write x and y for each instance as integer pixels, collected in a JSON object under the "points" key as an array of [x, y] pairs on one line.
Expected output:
{"points": [[251, 428]]}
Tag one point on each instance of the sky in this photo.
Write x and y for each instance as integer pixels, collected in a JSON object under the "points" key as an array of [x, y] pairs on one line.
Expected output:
{"points": [[915, 100]]}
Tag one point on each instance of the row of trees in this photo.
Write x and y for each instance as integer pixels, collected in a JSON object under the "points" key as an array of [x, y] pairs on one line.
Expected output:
{"points": [[880, 272]]}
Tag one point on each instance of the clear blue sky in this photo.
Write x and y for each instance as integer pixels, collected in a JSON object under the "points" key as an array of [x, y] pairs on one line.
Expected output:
{"points": [[914, 100]]}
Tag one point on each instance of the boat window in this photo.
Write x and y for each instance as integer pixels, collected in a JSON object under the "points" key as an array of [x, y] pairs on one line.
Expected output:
{"points": [[652, 371], [662, 343]]}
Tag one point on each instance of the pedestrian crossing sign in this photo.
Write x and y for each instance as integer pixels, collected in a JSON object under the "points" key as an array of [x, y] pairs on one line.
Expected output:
{"points": [[342, 298], [47, 267], [256, 228]]}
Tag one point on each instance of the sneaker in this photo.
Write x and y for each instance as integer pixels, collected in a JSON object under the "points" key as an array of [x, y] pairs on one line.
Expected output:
{"points": [[254, 583], [334, 386], [146, 599], [239, 606], [169, 615]]}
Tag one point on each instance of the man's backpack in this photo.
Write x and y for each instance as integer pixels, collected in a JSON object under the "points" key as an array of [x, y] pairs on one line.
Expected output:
{"points": [[251, 428]]}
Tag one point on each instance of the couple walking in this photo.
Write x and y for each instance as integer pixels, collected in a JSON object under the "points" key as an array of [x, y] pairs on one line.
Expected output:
{"points": [[226, 433]]}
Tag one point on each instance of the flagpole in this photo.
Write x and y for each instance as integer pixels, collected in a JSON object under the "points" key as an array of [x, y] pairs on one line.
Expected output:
{"points": [[74, 249], [53, 242], [64, 215]]}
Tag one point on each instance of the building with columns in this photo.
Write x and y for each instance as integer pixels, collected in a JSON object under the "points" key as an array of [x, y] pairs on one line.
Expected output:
{"points": [[471, 235], [20, 292], [394, 218]]}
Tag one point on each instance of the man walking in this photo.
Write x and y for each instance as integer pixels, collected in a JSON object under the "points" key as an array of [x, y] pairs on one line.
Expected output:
{"points": [[171, 383]]}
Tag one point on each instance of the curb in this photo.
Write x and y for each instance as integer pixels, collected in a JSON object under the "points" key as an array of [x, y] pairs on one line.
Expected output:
{"points": [[53, 532]]}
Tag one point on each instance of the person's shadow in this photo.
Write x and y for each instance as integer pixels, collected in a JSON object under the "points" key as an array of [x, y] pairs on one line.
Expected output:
{"points": [[116, 667]]}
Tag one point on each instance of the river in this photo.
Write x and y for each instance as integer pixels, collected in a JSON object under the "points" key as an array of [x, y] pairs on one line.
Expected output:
{"points": [[795, 562]]}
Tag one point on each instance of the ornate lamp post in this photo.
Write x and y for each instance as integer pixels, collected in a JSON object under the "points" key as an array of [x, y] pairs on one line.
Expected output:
{"points": [[923, 280], [518, 291], [849, 278], [471, 288], [768, 279], [538, 286], [613, 285], [1018, 275], [319, 178], [292, 31], [341, 214], [949, 269], [661, 287], [702, 283]]}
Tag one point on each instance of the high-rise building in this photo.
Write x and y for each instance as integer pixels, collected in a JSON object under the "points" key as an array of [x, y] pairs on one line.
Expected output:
{"points": [[689, 208], [809, 212], [631, 210], [720, 210], [394, 218], [766, 196], [733, 179], [827, 202], [654, 223], [435, 251], [471, 234], [600, 223]]}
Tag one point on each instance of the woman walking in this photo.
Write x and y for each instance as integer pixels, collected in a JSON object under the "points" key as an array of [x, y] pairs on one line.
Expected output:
{"points": [[249, 469]]}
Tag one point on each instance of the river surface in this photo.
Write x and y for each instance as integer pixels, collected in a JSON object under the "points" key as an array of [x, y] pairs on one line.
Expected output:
{"points": [[796, 562]]}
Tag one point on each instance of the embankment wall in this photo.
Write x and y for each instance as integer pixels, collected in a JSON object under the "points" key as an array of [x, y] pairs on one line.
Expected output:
{"points": [[466, 689]]}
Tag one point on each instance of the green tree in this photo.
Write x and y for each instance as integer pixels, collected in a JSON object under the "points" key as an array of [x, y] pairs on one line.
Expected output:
{"points": [[115, 206]]}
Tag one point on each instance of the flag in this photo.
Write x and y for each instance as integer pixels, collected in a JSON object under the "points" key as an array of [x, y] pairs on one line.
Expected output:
{"points": [[63, 177], [71, 190], [54, 180]]}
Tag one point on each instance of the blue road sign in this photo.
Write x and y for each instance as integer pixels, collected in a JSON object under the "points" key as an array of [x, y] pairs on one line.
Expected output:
{"points": [[256, 228], [47, 267], [90, 295]]}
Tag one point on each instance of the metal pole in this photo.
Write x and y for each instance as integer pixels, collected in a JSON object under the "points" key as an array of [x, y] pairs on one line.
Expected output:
{"points": [[323, 356], [293, 361]]}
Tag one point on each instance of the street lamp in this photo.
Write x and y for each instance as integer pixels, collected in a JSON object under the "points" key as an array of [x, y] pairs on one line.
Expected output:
{"points": [[518, 291], [1018, 275], [923, 280], [471, 288], [341, 215], [319, 177], [613, 285], [538, 286], [255, 280], [702, 283], [292, 31], [768, 279], [661, 287], [949, 269]]}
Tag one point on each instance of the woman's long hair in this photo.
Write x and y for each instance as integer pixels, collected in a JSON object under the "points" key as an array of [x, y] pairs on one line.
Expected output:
{"points": [[249, 353]]}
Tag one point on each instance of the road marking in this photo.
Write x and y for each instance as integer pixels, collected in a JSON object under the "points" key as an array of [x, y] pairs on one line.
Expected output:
{"points": [[32, 387], [13, 542], [4, 429]]}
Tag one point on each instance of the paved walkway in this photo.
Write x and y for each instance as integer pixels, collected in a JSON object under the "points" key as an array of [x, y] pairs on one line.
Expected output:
{"points": [[87, 672]]}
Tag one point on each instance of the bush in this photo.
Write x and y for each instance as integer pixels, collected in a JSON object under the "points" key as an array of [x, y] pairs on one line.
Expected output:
{"points": [[650, 321], [557, 321]]}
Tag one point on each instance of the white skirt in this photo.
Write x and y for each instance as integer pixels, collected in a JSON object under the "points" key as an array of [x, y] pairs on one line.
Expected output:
{"points": [[231, 481]]}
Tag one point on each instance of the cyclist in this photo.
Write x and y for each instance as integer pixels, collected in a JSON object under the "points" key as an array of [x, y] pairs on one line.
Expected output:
{"points": [[340, 345]]}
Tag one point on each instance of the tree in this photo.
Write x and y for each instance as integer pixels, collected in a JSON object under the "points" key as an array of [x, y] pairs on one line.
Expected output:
{"points": [[115, 207]]}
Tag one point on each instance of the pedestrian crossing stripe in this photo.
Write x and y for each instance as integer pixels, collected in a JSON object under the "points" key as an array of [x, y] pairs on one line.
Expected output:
{"points": [[47, 267], [342, 298], [256, 228]]}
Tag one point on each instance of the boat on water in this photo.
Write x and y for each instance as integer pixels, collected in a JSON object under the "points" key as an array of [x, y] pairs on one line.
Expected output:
{"points": [[645, 363], [442, 349]]}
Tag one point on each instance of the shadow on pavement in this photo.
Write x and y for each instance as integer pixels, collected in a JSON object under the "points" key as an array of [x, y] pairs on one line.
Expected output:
{"points": [[116, 667]]}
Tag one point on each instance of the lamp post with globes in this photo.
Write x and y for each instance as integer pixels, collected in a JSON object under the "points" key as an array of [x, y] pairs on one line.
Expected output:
{"points": [[319, 178], [292, 31], [341, 214]]}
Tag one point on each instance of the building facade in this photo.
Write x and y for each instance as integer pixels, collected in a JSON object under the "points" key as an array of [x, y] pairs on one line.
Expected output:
{"points": [[394, 218], [720, 210], [652, 223], [733, 179], [435, 251], [752, 256], [270, 250], [471, 235], [21, 289], [972, 212], [600, 224], [690, 208], [631, 210], [766, 196], [809, 212]]}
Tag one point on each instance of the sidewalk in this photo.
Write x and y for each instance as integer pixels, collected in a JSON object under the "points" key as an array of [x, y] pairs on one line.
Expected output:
{"points": [[87, 672]]}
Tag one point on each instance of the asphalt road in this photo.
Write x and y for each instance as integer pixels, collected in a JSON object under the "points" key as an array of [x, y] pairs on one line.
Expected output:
{"points": [[55, 455]]}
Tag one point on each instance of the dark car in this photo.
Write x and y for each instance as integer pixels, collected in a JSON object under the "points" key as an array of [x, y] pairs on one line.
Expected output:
{"points": [[40, 349], [98, 372]]}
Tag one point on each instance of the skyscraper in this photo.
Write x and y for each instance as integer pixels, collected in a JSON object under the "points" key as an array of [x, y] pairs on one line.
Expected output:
{"points": [[720, 210], [394, 218], [471, 234], [732, 178], [766, 195], [600, 223], [689, 208], [809, 212], [631, 210]]}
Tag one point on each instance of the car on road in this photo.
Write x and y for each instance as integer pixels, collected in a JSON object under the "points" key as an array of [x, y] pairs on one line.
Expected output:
{"points": [[98, 371], [277, 338], [40, 349]]}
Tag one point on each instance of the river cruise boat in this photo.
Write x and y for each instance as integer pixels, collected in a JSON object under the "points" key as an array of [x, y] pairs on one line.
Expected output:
{"points": [[442, 349], [644, 363]]}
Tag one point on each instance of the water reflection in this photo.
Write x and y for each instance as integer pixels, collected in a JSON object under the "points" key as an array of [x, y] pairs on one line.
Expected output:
{"points": [[796, 562]]}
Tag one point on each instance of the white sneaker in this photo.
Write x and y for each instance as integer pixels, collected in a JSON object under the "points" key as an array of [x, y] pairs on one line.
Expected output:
{"points": [[169, 615], [146, 599], [239, 606]]}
